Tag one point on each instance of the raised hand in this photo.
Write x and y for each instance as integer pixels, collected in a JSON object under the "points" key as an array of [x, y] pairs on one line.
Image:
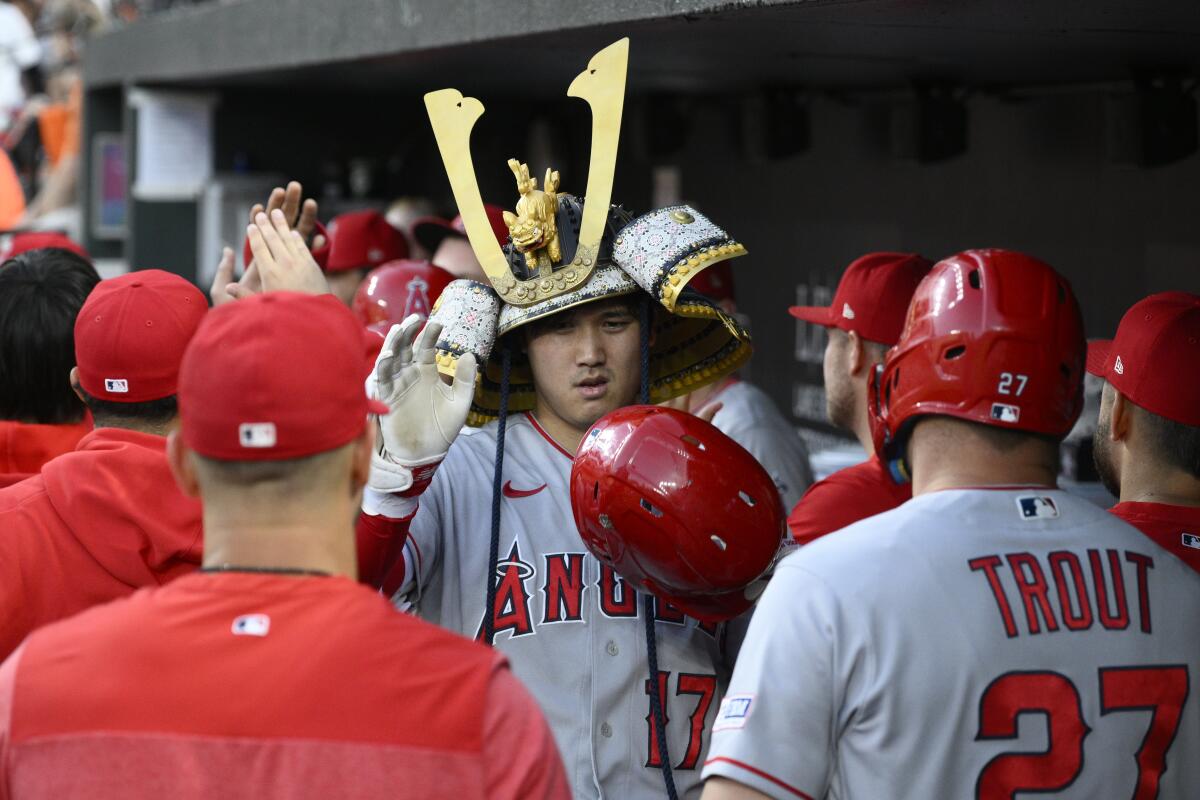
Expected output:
{"points": [[426, 413], [282, 257]]}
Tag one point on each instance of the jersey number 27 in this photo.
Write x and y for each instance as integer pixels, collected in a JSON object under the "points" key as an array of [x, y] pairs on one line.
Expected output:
{"points": [[1161, 690]]}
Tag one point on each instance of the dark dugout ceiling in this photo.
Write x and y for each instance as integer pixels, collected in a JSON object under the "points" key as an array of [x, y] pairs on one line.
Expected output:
{"points": [[531, 47]]}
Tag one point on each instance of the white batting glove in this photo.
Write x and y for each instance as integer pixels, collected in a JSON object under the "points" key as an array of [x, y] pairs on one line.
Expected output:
{"points": [[426, 413]]}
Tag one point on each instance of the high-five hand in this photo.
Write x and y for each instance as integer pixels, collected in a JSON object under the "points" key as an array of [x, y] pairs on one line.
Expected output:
{"points": [[283, 259], [426, 413]]}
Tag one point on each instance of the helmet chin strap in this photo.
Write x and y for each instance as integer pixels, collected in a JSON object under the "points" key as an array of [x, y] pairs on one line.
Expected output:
{"points": [[656, 699], [489, 609]]}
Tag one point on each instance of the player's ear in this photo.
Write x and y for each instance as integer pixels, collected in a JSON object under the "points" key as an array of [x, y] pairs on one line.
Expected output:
{"points": [[362, 448], [182, 468], [1121, 416], [74, 380], [856, 353]]}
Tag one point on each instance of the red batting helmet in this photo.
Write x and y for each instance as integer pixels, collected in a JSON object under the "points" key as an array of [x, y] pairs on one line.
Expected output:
{"points": [[677, 508], [992, 336], [393, 291]]}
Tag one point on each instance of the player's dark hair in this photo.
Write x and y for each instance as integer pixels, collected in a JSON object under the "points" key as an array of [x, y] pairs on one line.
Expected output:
{"points": [[150, 413], [1178, 445], [41, 292]]}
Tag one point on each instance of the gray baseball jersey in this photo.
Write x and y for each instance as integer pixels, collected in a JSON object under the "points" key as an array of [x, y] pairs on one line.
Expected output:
{"points": [[571, 628], [750, 418], [971, 643]]}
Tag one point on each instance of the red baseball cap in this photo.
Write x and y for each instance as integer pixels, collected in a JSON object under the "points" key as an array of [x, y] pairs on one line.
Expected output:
{"points": [[363, 240], [1156, 349], [131, 333], [275, 376], [39, 240], [429, 231], [872, 297]]}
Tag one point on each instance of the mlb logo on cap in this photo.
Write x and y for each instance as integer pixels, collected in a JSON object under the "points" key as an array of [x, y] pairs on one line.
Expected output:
{"points": [[1037, 507], [251, 625], [257, 434], [1191, 540], [116, 385], [1005, 413]]}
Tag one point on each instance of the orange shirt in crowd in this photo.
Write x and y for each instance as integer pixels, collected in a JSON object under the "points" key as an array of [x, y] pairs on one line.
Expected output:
{"points": [[25, 448], [244, 685], [12, 196], [95, 525], [845, 497], [1175, 528]]}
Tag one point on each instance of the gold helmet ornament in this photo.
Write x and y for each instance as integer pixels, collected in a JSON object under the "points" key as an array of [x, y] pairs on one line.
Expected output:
{"points": [[564, 251]]}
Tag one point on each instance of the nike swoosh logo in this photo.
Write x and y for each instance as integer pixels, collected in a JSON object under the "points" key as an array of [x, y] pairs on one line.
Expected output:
{"points": [[509, 491]]}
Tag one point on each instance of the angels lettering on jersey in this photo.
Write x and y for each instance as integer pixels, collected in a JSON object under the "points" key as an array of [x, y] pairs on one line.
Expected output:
{"points": [[560, 583]]}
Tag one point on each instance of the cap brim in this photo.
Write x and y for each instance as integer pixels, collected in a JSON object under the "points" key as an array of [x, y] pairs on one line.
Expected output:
{"points": [[1097, 356], [818, 315], [377, 407], [430, 231]]}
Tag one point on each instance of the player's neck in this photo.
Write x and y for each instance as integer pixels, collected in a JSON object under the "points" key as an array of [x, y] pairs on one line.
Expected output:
{"points": [[1144, 480], [310, 537], [945, 456]]}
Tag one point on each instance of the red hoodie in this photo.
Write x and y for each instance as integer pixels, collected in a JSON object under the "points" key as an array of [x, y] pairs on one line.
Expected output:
{"points": [[95, 525], [25, 448]]}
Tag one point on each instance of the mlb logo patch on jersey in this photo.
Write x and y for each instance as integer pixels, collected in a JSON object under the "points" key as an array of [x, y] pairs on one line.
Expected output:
{"points": [[116, 385], [1037, 507], [735, 710], [1002, 412], [257, 434], [1191, 540], [251, 625]]}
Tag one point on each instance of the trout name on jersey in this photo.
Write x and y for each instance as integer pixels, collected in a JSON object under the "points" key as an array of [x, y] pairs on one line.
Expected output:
{"points": [[563, 593], [1067, 590]]}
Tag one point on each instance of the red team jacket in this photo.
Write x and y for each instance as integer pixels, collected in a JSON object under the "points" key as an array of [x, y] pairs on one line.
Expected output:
{"points": [[95, 525], [845, 497], [242, 685], [25, 448], [1174, 528]]}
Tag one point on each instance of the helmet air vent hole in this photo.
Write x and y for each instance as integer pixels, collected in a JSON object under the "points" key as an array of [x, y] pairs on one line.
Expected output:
{"points": [[747, 499], [596, 490], [719, 542], [954, 352], [646, 504], [973, 278], [692, 440]]}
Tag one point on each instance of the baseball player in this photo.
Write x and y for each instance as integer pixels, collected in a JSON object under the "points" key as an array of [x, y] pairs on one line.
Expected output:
{"points": [[359, 241], [446, 241], [1147, 444], [106, 519], [41, 293], [271, 673], [863, 322], [994, 637], [746, 413], [571, 347]]}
